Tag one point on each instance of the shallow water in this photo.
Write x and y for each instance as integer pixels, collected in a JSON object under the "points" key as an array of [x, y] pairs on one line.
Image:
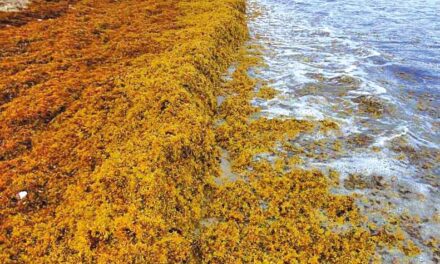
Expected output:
{"points": [[374, 68]]}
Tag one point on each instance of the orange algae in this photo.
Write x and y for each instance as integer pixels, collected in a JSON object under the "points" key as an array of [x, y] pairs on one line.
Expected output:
{"points": [[48, 65], [112, 139], [275, 212], [108, 122], [267, 92]]}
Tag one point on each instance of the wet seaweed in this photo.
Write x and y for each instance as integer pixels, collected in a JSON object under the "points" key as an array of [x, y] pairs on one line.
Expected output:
{"points": [[116, 140]]}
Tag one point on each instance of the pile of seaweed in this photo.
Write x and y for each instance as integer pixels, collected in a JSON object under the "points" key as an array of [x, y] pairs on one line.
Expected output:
{"points": [[106, 127], [111, 142]]}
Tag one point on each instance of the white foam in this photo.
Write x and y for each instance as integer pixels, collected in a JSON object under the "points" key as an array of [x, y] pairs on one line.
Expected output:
{"points": [[381, 140], [370, 88], [274, 112], [347, 125], [302, 108], [369, 164]]}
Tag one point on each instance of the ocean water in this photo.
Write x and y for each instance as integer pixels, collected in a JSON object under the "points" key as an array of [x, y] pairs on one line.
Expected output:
{"points": [[374, 68]]}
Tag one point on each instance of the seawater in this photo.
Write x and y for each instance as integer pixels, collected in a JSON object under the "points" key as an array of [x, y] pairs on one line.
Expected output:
{"points": [[374, 68]]}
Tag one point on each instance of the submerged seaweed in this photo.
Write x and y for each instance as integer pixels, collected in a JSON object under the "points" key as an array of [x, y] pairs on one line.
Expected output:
{"points": [[276, 211]]}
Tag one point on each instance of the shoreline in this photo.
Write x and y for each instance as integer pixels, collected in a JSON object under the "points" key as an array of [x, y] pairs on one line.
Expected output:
{"points": [[156, 154], [320, 72]]}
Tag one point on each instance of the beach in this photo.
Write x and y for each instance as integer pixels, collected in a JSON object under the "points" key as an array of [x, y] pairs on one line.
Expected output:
{"points": [[198, 131]]}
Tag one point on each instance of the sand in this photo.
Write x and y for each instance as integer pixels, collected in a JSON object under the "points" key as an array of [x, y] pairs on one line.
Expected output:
{"points": [[12, 5]]}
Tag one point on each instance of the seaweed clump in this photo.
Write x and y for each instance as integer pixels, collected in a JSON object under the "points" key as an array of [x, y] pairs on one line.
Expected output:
{"points": [[107, 127], [267, 93], [371, 105], [274, 211]]}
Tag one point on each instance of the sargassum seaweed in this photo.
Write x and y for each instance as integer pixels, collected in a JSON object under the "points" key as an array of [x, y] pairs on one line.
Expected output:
{"points": [[109, 125]]}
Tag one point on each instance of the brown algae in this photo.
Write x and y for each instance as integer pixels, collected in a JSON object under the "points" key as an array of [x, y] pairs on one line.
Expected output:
{"points": [[116, 156], [117, 170], [276, 211]]}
